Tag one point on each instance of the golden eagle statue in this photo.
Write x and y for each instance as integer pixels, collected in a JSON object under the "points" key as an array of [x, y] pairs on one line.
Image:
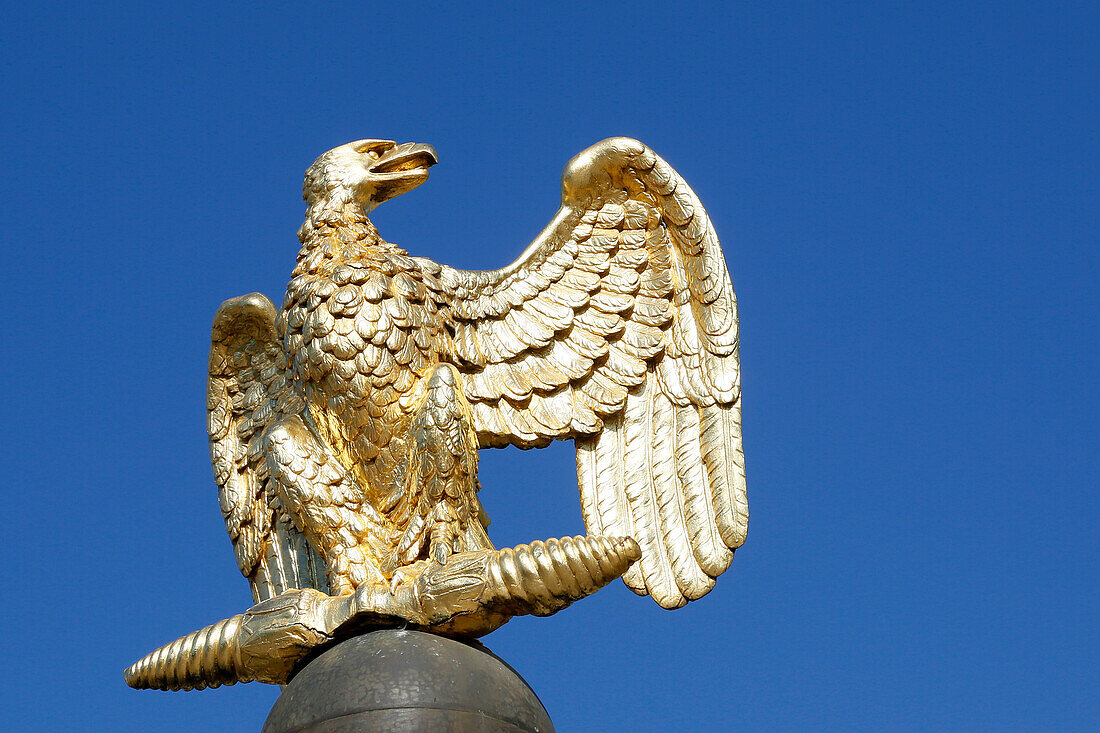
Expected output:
{"points": [[344, 427]]}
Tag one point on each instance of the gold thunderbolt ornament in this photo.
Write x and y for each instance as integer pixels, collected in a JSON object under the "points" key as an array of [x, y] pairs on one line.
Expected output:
{"points": [[345, 427]]}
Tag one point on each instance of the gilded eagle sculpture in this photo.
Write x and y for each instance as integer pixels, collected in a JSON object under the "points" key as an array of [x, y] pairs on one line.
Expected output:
{"points": [[345, 426]]}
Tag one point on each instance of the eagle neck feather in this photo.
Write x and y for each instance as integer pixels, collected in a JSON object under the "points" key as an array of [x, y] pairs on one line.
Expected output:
{"points": [[341, 230]]}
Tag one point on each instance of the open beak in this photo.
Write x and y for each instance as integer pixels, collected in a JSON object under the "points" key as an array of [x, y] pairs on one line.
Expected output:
{"points": [[405, 158]]}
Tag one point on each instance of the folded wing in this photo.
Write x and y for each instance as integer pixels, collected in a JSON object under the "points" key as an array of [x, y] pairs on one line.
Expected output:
{"points": [[617, 328], [247, 390]]}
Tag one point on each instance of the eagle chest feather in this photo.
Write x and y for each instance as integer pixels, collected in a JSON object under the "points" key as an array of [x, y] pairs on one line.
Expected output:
{"points": [[361, 329]]}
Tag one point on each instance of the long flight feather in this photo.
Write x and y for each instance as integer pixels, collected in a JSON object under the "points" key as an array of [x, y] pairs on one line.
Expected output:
{"points": [[611, 500], [722, 467], [710, 551], [656, 567], [661, 467]]}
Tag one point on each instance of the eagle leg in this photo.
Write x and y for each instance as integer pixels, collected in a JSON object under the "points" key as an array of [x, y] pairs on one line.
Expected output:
{"points": [[441, 477], [327, 506]]}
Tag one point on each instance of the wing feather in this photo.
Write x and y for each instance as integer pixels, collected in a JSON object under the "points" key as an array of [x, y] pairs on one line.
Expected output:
{"points": [[725, 463], [661, 464], [710, 550], [617, 328], [632, 455]]}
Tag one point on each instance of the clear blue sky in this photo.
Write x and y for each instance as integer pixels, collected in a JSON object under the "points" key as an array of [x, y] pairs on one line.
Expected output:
{"points": [[907, 197]]}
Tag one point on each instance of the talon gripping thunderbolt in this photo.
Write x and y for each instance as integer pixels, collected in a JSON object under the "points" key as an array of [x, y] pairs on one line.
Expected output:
{"points": [[345, 426]]}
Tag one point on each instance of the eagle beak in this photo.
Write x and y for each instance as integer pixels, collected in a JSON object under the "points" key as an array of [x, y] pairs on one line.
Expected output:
{"points": [[406, 157], [400, 169]]}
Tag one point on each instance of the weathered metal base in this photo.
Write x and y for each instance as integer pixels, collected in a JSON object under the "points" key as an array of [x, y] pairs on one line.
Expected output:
{"points": [[393, 680]]}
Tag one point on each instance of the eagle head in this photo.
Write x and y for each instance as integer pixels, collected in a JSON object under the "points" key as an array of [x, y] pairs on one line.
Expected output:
{"points": [[367, 172]]}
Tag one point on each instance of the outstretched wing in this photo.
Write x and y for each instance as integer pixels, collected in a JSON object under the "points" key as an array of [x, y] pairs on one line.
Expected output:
{"points": [[618, 328], [247, 390]]}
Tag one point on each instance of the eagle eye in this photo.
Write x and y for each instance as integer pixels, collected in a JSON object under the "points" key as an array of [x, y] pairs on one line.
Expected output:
{"points": [[375, 148]]}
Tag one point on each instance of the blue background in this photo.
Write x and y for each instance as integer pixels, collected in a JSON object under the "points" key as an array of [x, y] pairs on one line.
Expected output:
{"points": [[907, 196]]}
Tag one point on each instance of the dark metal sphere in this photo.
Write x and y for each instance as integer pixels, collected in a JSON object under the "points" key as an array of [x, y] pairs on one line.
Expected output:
{"points": [[393, 680]]}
